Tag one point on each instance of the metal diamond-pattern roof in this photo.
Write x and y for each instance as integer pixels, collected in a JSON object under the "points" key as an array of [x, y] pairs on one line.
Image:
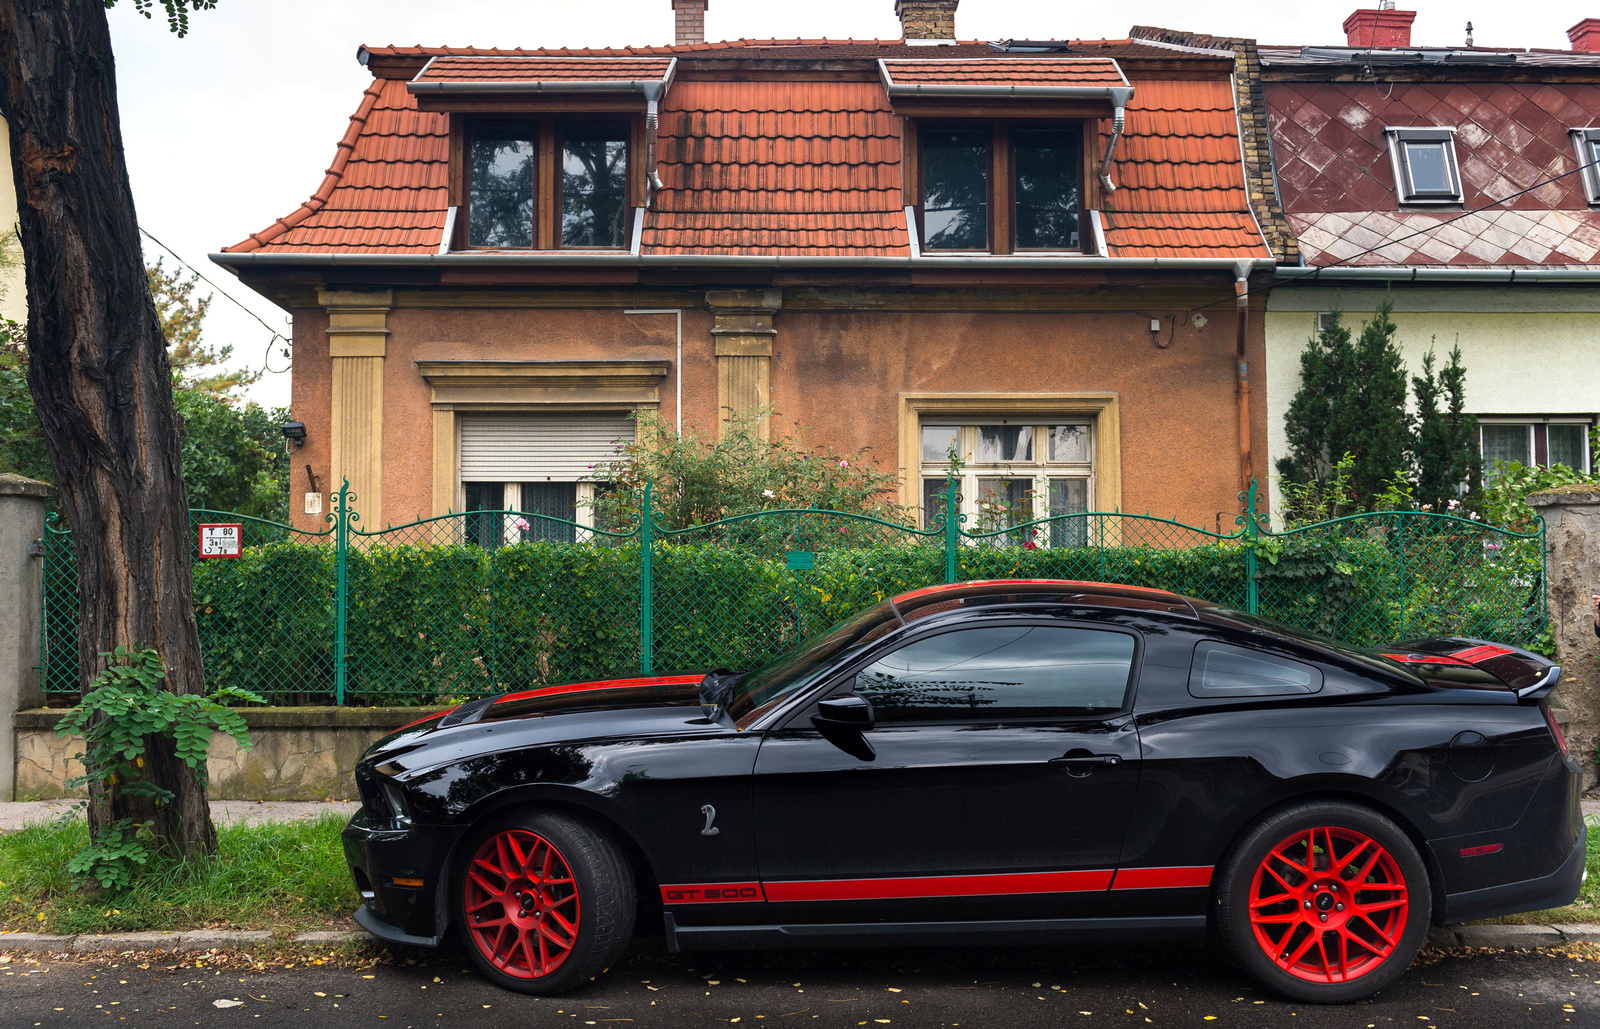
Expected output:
{"points": [[1338, 188]]}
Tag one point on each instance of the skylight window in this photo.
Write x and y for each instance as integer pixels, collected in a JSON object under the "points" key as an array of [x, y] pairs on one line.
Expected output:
{"points": [[1425, 170], [1586, 144]]}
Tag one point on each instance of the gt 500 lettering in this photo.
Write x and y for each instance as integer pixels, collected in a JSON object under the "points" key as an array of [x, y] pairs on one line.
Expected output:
{"points": [[712, 893]]}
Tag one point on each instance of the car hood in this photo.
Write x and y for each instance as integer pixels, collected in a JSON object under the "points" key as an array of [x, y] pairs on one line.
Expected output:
{"points": [[646, 705]]}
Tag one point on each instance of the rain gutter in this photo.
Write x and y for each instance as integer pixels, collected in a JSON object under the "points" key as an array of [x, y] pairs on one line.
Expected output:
{"points": [[1414, 273], [463, 259]]}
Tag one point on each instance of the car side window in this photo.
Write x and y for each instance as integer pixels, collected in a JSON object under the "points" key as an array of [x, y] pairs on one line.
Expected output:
{"points": [[1222, 670], [1000, 672]]}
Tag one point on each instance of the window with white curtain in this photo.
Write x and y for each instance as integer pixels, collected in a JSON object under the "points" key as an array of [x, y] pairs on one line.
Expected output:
{"points": [[1012, 471]]}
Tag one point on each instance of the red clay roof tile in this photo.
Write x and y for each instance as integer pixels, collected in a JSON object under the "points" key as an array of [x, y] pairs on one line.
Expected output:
{"points": [[1024, 71], [789, 167], [542, 69]]}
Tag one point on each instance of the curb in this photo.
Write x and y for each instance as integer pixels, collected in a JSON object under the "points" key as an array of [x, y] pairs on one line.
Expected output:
{"points": [[1509, 937], [196, 940]]}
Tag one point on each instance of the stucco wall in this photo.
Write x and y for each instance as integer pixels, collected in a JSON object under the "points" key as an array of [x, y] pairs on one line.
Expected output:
{"points": [[840, 373], [13, 288], [1527, 349]]}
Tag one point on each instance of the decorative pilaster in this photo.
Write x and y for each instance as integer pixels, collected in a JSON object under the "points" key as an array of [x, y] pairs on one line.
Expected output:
{"points": [[744, 334], [358, 339]]}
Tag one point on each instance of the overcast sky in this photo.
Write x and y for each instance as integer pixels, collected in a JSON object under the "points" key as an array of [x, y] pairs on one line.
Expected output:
{"points": [[233, 125]]}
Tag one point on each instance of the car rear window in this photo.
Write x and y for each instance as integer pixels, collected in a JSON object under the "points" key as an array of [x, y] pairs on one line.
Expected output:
{"points": [[1224, 670]]}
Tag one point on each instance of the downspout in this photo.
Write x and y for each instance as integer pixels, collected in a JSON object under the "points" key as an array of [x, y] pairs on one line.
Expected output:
{"points": [[651, 121], [1119, 97], [1241, 294]]}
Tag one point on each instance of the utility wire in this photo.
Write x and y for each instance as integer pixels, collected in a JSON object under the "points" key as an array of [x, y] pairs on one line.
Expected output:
{"points": [[276, 335]]}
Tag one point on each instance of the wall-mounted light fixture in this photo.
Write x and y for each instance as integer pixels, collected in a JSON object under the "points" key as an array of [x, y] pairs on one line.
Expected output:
{"points": [[295, 433]]}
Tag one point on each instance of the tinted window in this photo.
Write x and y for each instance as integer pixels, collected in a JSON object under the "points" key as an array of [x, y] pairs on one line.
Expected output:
{"points": [[1220, 670], [502, 191], [955, 186], [594, 165], [1023, 671], [1047, 188]]}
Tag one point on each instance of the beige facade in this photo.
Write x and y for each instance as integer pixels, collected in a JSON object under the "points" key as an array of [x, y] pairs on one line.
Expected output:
{"points": [[1530, 350]]}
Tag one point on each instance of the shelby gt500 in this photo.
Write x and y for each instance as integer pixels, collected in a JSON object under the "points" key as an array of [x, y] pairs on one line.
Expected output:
{"points": [[999, 761]]}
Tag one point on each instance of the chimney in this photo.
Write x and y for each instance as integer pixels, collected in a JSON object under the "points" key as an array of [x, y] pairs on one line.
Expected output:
{"points": [[1385, 27], [1585, 35], [922, 20], [689, 21]]}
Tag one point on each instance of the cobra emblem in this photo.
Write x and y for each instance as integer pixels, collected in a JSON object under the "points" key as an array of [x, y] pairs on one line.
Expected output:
{"points": [[711, 816]]}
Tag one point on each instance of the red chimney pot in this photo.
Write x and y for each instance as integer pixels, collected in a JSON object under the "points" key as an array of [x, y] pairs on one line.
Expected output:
{"points": [[1585, 35], [1379, 28]]}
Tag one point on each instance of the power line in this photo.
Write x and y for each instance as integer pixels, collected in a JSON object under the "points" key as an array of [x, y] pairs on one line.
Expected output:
{"points": [[276, 335]]}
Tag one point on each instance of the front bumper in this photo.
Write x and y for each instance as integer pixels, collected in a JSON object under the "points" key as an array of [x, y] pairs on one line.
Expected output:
{"points": [[379, 854]]}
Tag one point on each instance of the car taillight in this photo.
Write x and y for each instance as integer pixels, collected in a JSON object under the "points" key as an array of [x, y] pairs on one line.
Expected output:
{"points": [[1555, 730]]}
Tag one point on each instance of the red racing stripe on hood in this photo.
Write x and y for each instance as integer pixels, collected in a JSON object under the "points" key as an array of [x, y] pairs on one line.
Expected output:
{"points": [[609, 684]]}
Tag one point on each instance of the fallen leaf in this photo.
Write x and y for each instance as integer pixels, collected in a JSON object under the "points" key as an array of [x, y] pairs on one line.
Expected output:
{"points": [[227, 1003]]}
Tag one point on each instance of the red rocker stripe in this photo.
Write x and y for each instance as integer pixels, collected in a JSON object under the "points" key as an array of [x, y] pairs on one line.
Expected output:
{"points": [[941, 886], [712, 893], [1162, 878]]}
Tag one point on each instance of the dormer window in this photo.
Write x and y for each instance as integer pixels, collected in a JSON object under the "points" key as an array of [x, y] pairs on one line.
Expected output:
{"points": [[1425, 170], [1000, 187], [509, 190], [1586, 144]]}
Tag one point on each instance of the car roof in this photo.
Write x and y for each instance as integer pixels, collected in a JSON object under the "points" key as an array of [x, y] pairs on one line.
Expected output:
{"points": [[1068, 591]]}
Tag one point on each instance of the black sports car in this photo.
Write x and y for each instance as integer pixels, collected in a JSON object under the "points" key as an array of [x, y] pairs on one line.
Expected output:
{"points": [[997, 761]]}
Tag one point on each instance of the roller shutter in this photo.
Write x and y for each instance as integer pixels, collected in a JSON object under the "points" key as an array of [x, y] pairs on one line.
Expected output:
{"points": [[537, 447]]}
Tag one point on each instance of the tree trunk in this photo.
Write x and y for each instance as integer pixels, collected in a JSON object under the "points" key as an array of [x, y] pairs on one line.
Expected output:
{"points": [[97, 368]]}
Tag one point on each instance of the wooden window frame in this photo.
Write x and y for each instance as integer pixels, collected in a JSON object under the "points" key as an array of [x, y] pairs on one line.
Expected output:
{"points": [[1002, 200], [548, 177]]}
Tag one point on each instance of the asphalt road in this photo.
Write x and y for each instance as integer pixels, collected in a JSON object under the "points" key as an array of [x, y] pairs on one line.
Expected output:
{"points": [[1017, 989]]}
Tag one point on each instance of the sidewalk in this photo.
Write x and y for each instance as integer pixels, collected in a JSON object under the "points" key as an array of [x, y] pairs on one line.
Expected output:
{"points": [[15, 814]]}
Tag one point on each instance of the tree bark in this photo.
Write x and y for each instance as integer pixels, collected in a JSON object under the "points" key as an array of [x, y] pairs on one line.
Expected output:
{"points": [[98, 371]]}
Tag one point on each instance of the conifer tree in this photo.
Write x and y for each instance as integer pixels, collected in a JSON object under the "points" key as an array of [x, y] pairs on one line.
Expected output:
{"points": [[1446, 446]]}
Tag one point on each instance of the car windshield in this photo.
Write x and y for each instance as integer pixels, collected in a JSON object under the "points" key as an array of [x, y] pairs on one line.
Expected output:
{"points": [[802, 665]]}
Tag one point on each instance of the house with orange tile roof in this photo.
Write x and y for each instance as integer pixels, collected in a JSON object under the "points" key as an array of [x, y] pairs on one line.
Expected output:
{"points": [[1040, 253], [1458, 181]]}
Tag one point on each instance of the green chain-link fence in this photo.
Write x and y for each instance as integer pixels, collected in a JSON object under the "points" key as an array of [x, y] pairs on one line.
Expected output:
{"points": [[482, 602]]}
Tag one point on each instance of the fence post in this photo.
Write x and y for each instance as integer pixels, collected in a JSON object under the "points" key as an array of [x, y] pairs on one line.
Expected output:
{"points": [[1252, 593], [341, 595], [1400, 547], [646, 570], [952, 531], [1570, 538]]}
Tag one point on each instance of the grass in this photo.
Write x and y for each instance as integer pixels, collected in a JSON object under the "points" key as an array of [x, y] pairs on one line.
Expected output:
{"points": [[280, 875]]}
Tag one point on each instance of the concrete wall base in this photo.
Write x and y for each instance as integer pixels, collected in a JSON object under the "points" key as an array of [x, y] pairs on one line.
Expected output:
{"points": [[297, 753]]}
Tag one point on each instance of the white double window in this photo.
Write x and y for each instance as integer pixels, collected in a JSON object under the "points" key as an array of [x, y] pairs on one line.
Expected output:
{"points": [[542, 469], [1010, 471], [1544, 442]]}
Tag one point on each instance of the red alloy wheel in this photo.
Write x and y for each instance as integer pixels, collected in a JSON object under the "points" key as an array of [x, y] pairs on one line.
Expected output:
{"points": [[522, 904], [1328, 904]]}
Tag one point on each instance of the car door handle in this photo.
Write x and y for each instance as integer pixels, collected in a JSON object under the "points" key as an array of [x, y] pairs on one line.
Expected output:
{"points": [[1084, 761]]}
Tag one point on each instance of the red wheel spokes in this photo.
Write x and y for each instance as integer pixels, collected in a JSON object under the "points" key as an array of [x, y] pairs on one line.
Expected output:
{"points": [[1328, 904], [521, 904]]}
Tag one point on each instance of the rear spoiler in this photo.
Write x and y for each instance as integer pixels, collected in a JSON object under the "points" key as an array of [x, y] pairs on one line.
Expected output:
{"points": [[1459, 661]]}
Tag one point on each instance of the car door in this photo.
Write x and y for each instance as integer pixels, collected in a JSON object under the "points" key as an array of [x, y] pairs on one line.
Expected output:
{"points": [[1002, 765]]}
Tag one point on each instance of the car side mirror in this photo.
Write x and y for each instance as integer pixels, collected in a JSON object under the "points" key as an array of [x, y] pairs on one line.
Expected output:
{"points": [[844, 714]]}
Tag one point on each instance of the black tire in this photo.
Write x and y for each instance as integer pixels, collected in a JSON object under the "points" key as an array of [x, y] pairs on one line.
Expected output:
{"points": [[1378, 943], [527, 940]]}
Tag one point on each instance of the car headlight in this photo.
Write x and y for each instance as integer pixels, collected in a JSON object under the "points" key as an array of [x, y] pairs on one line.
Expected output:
{"points": [[397, 803]]}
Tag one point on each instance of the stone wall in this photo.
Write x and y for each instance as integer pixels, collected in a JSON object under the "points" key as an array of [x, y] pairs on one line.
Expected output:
{"points": [[297, 753], [1572, 528]]}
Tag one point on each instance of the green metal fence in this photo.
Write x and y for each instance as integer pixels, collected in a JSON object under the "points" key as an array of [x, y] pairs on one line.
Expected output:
{"points": [[481, 602]]}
